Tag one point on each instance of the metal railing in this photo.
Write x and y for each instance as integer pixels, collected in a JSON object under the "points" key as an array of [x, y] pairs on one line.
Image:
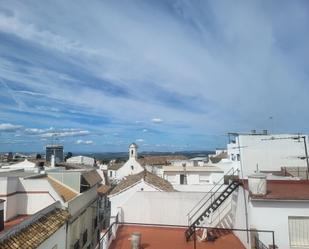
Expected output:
{"points": [[210, 196], [259, 244]]}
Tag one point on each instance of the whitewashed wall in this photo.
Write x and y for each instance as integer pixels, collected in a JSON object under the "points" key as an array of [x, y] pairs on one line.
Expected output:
{"points": [[118, 199], [160, 207], [273, 215]]}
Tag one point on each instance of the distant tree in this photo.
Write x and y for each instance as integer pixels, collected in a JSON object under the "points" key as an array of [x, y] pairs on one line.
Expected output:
{"points": [[68, 155]]}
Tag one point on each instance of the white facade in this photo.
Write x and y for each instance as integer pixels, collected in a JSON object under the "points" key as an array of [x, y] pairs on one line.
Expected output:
{"points": [[257, 152], [118, 199], [21, 165], [84, 160], [192, 178]]}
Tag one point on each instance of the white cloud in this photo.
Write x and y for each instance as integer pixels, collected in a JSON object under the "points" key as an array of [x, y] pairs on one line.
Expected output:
{"points": [[7, 127], [157, 120], [85, 142], [140, 140], [66, 134], [144, 130]]}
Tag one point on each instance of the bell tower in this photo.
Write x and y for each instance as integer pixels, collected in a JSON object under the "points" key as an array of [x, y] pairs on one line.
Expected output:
{"points": [[133, 151]]}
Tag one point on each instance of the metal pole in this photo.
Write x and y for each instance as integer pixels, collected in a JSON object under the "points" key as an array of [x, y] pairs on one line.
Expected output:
{"points": [[274, 246], [307, 171], [194, 235]]}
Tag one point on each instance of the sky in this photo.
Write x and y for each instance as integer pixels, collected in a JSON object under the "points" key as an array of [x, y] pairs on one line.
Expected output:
{"points": [[170, 75]]}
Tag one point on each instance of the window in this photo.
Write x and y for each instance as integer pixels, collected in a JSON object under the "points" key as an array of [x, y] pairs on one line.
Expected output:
{"points": [[132, 167], [183, 179], [85, 235], [299, 232], [111, 174], [238, 157], [95, 222], [204, 179]]}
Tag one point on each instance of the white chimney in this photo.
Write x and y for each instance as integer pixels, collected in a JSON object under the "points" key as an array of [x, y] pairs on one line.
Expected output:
{"points": [[257, 184], [52, 161]]}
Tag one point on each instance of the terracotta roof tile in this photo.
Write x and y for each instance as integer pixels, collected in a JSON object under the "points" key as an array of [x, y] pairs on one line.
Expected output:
{"points": [[66, 193], [36, 233], [103, 189], [159, 160], [148, 177], [92, 177]]}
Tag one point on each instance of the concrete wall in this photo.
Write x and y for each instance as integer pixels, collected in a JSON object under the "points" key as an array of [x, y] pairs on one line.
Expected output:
{"points": [[160, 207], [57, 239]]}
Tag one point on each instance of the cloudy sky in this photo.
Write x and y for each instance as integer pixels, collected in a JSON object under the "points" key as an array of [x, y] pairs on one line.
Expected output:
{"points": [[169, 75]]}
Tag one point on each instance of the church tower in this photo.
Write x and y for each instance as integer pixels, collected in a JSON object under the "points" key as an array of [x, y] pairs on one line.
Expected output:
{"points": [[133, 151]]}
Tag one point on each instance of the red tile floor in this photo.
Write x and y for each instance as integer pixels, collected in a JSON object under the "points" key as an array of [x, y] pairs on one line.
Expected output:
{"points": [[169, 238]]}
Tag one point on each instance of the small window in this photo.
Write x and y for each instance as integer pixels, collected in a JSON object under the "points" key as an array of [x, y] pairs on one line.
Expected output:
{"points": [[132, 167], [85, 237], [238, 157], [111, 174], [142, 189]]}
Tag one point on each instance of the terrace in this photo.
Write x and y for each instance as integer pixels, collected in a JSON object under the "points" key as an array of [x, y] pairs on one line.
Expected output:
{"points": [[162, 237]]}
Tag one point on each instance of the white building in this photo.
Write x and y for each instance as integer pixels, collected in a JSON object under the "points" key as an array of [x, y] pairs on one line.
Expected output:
{"points": [[131, 167], [192, 178], [83, 160], [266, 152], [26, 193], [144, 181], [281, 206], [44, 229]]}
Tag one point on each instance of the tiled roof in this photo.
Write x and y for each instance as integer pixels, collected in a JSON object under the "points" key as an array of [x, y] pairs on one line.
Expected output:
{"points": [[160, 160], [92, 177], [36, 233], [219, 157], [66, 193], [148, 177], [103, 189], [115, 166]]}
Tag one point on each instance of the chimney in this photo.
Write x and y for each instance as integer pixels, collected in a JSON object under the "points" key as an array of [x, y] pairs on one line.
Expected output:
{"points": [[1, 215], [52, 161], [257, 184]]}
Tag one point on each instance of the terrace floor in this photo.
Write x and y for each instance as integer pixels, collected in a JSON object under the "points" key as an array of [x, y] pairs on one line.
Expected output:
{"points": [[169, 238]]}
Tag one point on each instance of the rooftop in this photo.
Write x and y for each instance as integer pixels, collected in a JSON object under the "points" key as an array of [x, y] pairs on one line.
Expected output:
{"points": [[37, 232], [285, 190], [148, 177], [169, 238], [160, 160], [63, 190], [20, 173]]}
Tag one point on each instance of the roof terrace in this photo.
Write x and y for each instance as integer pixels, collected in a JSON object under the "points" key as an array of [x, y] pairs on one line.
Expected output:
{"points": [[169, 238]]}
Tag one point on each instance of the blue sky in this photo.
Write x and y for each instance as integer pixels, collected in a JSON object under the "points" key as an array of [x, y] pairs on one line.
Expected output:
{"points": [[169, 75]]}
